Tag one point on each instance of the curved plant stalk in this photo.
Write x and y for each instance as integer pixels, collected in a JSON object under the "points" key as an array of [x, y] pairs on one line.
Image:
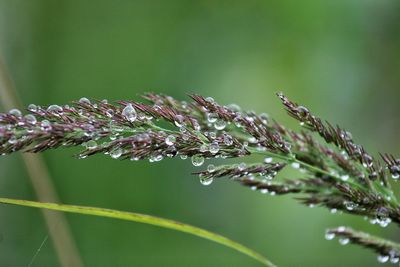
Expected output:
{"points": [[42, 184], [143, 218]]}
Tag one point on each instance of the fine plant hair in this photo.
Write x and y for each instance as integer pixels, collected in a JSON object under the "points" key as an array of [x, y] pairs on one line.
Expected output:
{"points": [[334, 171]]}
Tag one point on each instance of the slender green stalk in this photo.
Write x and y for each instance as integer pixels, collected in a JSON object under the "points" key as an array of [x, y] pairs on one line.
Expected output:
{"points": [[143, 218]]}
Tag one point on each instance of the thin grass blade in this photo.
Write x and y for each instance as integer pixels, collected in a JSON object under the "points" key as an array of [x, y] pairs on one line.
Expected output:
{"points": [[142, 218]]}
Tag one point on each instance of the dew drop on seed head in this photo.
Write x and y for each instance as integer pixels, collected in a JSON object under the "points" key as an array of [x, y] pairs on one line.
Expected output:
{"points": [[393, 258], [91, 144], [264, 191], [110, 113], [210, 99], [55, 108], [234, 107], [268, 160], [228, 140], [220, 125], [350, 205], [211, 168], [116, 153], [183, 157], [84, 100], [179, 120], [382, 258], [214, 148], [329, 236], [197, 160], [129, 113], [396, 176], [46, 125], [212, 117], [212, 135], [242, 166], [203, 148], [303, 111], [344, 241], [15, 112], [30, 119], [170, 140], [206, 180], [13, 140], [344, 177], [32, 107], [295, 165]]}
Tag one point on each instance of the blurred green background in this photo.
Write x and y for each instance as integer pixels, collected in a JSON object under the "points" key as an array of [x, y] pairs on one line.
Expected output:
{"points": [[340, 58]]}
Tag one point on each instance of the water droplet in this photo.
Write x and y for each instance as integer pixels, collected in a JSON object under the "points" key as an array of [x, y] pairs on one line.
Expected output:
{"points": [[333, 211], [220, 124], [203, 148], [303, 111], [170, 140], [212, 135], [268, 160], [295, 165], [396, 176], [30, 119], [344, 177], [264, 191], [15, 112], [84, 100], [197, 160], [179, 120], [55, 109], [228, 140], [382, 258], [32, 107], [242, 166], [110, 113], [116, 153], [234, 107], [344, 241], [211, 168], [382, 217], [156, 158], [129, 113], [264, 118], [394, 259], [13, 140], [91, 144], [46, 125], [183, 157], [329, 236], [350, 205], [214, 148], [238, 121], [210, 99], [212, 117], [206, 180]]}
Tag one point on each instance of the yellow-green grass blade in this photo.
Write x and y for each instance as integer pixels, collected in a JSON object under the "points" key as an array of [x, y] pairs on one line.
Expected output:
{"points": [[142, 218]]}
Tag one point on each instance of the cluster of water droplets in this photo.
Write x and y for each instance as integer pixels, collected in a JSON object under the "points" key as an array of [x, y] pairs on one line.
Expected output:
{"points": [[342, 240]]}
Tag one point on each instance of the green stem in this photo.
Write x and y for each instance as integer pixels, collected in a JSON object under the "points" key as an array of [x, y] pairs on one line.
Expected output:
{"points": [[143, 218], [393, 200]]}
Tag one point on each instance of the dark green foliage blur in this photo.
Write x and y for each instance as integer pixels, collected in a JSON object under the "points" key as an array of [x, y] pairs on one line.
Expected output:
{"points": [[340, 58]]}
